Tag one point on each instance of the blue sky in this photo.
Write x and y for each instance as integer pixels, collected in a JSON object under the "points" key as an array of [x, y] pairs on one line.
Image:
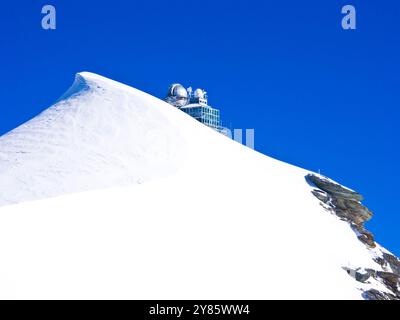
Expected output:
{"points": [[317, 96]]}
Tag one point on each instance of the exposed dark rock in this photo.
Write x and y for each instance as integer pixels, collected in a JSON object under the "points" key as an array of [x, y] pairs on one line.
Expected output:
{"points": [[345, 203], [364, 236], [359, 274], [390, 279], [367, 238], [352, 210], [380, 261], [393, 262], [322, 196], [334, 188], [373, 294]]}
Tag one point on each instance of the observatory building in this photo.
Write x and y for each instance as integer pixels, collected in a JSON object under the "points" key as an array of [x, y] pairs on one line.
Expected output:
{"points": [[195, 104]]}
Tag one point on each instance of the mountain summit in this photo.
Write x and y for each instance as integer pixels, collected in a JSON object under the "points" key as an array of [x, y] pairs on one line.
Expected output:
{"points": [[112, 193]]}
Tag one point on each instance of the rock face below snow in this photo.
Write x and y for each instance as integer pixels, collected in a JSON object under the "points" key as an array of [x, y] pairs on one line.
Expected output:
{"points": [[334, 189], [374, 294], [345, 204]]}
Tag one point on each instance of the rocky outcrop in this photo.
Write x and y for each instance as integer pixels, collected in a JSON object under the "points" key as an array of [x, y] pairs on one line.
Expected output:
{"points": [[334, 189], [393, 262], [346, 204], [361, 275], [389, 261], [374, 294], [364, 235], [391, 280], [345, 201]]}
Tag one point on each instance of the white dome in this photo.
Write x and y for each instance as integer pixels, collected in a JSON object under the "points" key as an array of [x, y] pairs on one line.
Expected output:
{"points": [[178, 91], [198, 93], [177, 95]]}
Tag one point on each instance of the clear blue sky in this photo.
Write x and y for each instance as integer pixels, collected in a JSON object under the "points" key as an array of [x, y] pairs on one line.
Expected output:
{"points": [[318, 97]]}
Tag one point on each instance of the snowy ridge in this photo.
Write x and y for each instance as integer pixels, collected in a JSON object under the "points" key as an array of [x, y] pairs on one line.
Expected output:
{"points": [[84, 142], [171, 209]]}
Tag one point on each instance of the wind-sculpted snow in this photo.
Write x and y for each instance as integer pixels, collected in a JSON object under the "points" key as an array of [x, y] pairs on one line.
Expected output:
{"points": [[92, 138], [172, 209]]}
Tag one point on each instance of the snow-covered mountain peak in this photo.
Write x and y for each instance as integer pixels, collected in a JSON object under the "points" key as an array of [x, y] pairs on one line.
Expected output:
{"points": [[99, 134], [171, 209]]}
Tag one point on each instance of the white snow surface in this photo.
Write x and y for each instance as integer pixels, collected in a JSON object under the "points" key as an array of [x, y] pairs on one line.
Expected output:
{"points": [[114, 194]]}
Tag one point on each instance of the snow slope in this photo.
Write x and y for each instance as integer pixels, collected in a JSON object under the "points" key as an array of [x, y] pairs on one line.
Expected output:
{"points": [[135, 199]]}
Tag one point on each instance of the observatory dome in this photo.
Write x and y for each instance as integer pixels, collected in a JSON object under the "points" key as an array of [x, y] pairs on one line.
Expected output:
{"points": [[178, 91], [177, 95], [199, 93]]}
